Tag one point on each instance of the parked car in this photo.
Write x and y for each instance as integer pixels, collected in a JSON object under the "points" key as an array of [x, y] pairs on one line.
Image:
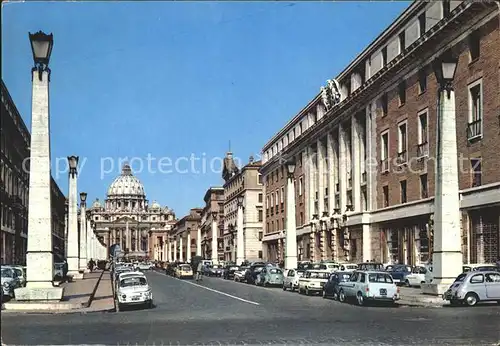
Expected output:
{"points": [[474, 287], [399, 272], [270, 276], [291, 279], [134, 290], [229, 271], [170, 269], [332, 287], [369, 285], [252, 272], [10, 281], [144, 266], [313, 281], [124, 275], [479, 266], [331, 266], [184, 271], [215, 270], [239, 275], [416, 277], [20, 271]]}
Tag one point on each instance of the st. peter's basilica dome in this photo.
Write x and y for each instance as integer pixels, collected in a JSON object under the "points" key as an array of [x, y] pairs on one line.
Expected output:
{"points": [[126, 184]]}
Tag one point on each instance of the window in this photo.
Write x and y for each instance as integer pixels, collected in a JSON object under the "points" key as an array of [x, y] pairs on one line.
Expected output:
{"points": [[423, 135], [422, 81], [421, 24], [402, 45], [260, 198], [402, 93], [282, 194], [477, 279], [402, 143], [474, 46], [476, 171], [402, 186], [423, 186], [277, 198], [260, 236], [384, 153], [300, 186], [384, 104], [385, 191], [261, 215], [259, 179], [492, 277], [384, 56], [475, 125], [260, 254]]}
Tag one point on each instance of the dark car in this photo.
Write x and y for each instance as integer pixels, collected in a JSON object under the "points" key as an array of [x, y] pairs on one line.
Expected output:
{"points": [[399, 272], [331, 288], [229, 270], [170, 269], [252, 272]]}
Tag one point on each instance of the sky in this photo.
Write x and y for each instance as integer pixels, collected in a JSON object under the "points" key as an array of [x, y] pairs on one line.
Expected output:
{"points": [[170, 86]]}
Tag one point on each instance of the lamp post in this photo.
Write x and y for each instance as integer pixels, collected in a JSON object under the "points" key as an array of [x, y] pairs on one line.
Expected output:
{"points": [[39, 257], [215, 249], [66, 210], [188, 245], [82, 266], [291, 228], [447, 253], [73, 241], [240, 233]]}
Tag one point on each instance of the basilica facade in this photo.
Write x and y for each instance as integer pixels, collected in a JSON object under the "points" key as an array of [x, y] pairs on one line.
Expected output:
{"points": [[126, 218]]}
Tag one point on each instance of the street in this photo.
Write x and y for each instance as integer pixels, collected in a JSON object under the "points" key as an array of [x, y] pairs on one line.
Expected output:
{"points": [[226, 312]]}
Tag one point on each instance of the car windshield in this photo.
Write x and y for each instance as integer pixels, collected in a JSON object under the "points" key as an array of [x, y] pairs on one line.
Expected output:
{"points": [[186, 268], [133, 281], [19, 272], [344, 277], [317, 275], [300, 273], [275, 271], [380, 278], [319, 266], [6, 273]]}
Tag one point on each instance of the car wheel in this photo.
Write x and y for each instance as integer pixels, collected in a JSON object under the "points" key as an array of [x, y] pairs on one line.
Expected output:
{"points": [[471, 299], [335, 296], [360, 299], [342, 297], [307, 292], [284, 287], [407, 283]]}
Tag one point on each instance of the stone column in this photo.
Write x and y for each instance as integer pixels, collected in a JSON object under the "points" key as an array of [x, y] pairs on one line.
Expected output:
{"points": [[291, 226], [240, 235], [188, 246], [367, 245], [181, 250], [321, 177], [215, 250], [175, 248], [343, 169], [73, 249], [198, 241], [331, 173], [310, 191], [39, 257], [90, 245], [83, 236], [371, 165], [356, 164], [447, 254]]}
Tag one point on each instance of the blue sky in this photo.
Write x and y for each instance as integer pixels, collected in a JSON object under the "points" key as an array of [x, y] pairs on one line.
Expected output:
{"points": [[171, 79]]}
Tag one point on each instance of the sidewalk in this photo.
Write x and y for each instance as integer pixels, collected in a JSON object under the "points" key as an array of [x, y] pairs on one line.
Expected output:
{"points": [[77, 295], [414, 297], [103, 299]]}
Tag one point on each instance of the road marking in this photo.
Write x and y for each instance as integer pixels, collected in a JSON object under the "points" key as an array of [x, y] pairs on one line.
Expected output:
{"points": [[212, 290]]}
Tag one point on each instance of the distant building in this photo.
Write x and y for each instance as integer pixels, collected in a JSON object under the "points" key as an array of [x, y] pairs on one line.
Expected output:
{"points": [[14, 185], [213, 210], [125, 218], [184, 236]]}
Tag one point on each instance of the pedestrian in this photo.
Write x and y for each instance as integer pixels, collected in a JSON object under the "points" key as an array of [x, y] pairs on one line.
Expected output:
{"points": [[198, 272], [91, 265]]}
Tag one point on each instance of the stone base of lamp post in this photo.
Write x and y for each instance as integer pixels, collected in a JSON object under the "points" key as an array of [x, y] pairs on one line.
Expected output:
{"points": [[39, 293]]}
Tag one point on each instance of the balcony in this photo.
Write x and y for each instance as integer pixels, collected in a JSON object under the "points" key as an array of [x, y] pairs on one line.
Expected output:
{"points": [[423, 149], [384, 165], [474, 129], [402, 157]]}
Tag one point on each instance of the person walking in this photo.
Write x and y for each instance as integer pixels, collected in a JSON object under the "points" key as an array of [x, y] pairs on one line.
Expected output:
{"points": [[198, 272]]}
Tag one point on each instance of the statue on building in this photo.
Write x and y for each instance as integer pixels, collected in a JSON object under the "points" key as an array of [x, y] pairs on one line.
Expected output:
{"points": [[325, 97], [229, 169], [334, 88]]}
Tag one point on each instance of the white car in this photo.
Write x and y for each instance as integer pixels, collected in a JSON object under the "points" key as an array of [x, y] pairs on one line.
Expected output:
{"points": [[291, 279], [134, 290], [369, 285], [313, 281], [239, 275], [417, 276], [144, 266]]}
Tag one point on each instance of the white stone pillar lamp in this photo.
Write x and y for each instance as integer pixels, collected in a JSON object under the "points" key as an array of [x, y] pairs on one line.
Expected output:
{"points": [[83, 233], [240, 234], [291, 228], [215, 248], [73, 241], [39, 257], [447, 250]]}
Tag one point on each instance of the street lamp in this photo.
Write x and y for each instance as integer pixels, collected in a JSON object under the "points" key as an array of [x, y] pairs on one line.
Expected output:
{"points": [[83, 197], [447, 242], [41, 47], [73, 163], [240, 235], [291, 227]]}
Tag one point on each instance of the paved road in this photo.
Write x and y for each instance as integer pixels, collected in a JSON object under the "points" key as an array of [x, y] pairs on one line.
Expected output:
{"points": [[225, 312]]}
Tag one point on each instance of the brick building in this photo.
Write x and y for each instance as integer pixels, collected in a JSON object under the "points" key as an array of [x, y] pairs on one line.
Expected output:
{"points": [[14, 185], [365, 145], [247, 183]]}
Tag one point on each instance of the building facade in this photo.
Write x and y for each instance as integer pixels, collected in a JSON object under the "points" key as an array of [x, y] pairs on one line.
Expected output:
{"points": [[213, 211], [183, 239], [126, 219], [14, 186], [365, 145], [246, 183]]}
